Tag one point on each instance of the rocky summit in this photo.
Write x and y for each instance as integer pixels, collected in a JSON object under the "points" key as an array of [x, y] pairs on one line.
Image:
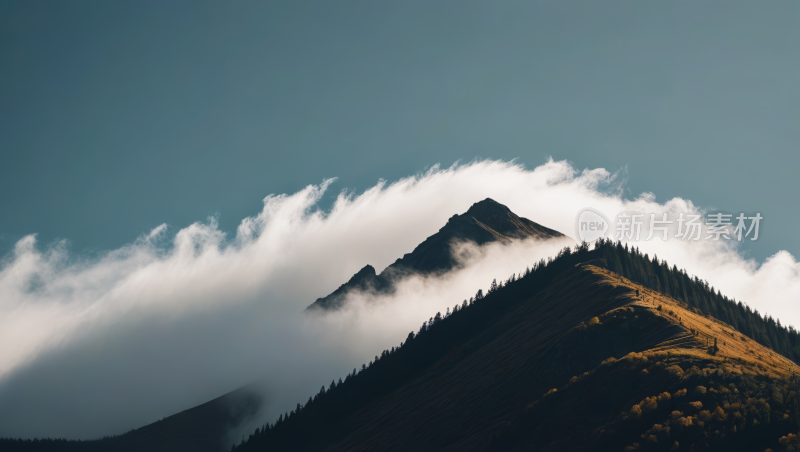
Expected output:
{"points": [[485, 222]]}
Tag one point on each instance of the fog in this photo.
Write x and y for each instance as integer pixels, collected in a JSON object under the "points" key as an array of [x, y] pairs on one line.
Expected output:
{"points": [[98, 346]]}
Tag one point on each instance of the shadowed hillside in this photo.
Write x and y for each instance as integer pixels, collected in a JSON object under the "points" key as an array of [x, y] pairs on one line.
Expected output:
{"points": [[486, 221], [201, 428], [567, 356], [695, 383], [582, 365]]}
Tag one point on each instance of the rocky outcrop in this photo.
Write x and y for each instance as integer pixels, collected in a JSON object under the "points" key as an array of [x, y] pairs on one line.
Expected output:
{"points": [[486, 221]]}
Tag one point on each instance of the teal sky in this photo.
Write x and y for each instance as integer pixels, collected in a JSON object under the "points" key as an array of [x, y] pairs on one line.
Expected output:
{"points": [[117, 116]]}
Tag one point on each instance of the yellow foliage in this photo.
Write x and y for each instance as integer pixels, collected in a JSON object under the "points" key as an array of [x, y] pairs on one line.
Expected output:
{"points": [[685, 421], [649, 404], [789, 439], [636, 357], [657, 431], [675, 370]]}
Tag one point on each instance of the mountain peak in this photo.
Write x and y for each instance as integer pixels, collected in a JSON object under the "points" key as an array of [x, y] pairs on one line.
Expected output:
{"points": [[484, 222], [365, 272], [487, 207]]}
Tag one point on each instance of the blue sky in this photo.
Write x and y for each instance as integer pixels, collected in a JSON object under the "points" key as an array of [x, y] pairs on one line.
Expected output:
{"points": [[116, 117]]}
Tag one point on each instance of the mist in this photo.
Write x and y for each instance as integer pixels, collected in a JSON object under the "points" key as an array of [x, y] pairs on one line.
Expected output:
{"points": [[94, 347]]}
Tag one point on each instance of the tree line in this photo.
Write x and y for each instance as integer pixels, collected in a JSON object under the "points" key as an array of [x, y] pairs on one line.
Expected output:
{"points": [[319, 420], [697, 293], [441, 332]]}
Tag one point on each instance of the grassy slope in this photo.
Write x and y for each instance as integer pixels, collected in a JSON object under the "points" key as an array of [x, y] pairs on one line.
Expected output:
{"points": [[481, 383], [598, 410], [488, 393], [484, 388]]}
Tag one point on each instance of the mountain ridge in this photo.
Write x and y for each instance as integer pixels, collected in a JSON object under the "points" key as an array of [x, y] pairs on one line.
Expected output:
{"points": [[592, 361], [573, 355], [484, 222]]}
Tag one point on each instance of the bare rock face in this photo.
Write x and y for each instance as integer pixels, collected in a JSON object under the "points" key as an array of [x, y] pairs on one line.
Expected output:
{"points": [[366, 280], [485, 222]]}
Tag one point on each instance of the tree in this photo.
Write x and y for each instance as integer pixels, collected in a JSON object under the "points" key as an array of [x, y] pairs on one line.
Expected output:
{"points": [[493, 286]]}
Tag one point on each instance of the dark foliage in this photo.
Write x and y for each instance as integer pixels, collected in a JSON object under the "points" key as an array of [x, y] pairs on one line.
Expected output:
{"points": [[439, 335], [319, 420]]}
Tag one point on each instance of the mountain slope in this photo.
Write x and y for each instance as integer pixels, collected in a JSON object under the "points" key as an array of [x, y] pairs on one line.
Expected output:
{"points": [[570, 356], [198, 429], [486, 221], [598, 349], [680, 392]]}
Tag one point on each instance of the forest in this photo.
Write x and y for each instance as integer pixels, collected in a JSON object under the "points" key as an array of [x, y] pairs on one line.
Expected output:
{"points": [[440, 333], [318, 421]]}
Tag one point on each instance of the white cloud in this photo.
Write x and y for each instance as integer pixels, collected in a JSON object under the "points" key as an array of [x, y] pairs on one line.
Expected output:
{"points": [[158, 326]]}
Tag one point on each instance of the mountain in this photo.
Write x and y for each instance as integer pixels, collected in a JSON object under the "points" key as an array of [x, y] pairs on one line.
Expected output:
{"points": [[198, 429], [572, 356], [602, 349], [485, 222]]}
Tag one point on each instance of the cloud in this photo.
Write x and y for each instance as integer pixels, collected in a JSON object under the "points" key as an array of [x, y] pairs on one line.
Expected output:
{"points": [[98, 346]]}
